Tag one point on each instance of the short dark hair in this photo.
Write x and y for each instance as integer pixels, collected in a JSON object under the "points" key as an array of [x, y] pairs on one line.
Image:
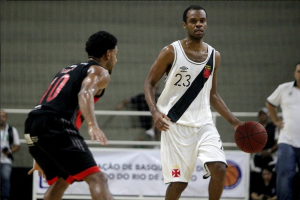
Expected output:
{"points": [[98, 43], [193, 7]]}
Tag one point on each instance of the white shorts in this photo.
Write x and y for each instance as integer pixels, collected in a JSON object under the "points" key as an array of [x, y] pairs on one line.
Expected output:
{"points": [[182, 145]]}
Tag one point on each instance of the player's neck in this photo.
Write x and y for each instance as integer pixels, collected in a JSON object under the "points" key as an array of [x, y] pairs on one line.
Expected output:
{"points": [[95, 59], [193, 43], [194, 40]]}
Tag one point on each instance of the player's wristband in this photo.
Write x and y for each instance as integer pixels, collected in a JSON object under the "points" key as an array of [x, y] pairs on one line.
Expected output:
{"points": [[269, 150]]}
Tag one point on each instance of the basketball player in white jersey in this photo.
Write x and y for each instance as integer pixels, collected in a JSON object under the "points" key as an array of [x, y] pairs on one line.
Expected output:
{"points": [[182, 111]]}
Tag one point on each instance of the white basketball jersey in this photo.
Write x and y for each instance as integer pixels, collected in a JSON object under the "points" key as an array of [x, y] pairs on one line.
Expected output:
{"points": [[186, 96]]}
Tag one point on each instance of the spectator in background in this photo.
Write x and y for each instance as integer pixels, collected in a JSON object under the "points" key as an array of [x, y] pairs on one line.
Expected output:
{"points": [[10, 143], [265, 187], [266, 156], [287, 96], [138, 102]]}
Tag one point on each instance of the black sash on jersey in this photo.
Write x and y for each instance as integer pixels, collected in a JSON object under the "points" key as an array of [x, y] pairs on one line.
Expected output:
{"points": [[192, 92]]}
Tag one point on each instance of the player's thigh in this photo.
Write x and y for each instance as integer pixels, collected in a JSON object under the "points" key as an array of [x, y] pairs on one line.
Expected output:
{"points": [[178, 153], [74, 156], [51, 170], [37, 133], [210, 148], [62, 144]]}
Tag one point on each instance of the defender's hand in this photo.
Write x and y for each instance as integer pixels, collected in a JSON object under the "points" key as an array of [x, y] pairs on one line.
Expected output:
{"points": [[97, 134], [38, 168]]}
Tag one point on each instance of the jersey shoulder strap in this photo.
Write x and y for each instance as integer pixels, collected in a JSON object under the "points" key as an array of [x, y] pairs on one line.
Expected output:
{"points": [[10, 135]]}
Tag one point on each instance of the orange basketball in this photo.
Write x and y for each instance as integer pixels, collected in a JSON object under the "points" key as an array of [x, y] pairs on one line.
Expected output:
{"points": [[251, 137]]}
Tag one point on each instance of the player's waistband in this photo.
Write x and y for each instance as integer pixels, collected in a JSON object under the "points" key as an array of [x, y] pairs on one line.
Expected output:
{"points": [[42, 110]]}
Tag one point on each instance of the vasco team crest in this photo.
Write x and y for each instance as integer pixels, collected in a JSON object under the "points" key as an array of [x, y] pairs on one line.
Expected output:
{"points": [[175, 171], [206, 72]]}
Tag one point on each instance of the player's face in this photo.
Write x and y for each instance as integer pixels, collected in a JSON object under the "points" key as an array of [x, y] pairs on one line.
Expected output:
{"points": [[297, 74], [196, 24], [113, 59]]}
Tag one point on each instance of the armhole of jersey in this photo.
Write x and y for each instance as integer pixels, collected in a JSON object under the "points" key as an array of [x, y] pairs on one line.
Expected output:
{"points": [[175, 59], [100, 95], [214, 60]]}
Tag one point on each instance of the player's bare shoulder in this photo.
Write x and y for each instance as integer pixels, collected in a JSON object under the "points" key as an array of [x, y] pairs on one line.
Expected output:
{"points": [[100, 75], [166, 56], [168, 51], [217, 58], [98, 70], [218, 55]]}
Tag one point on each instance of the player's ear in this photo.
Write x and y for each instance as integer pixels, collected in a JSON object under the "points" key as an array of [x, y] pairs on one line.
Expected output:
{"points": [[108, 54], [184, 25]]}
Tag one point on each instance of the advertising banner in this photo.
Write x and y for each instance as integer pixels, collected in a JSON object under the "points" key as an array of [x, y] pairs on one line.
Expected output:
{"points": [[138, 172]]}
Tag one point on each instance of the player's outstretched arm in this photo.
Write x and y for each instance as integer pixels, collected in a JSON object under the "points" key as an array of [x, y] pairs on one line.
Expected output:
{"points": [[217, 102], [96, 80], [160, 66]]}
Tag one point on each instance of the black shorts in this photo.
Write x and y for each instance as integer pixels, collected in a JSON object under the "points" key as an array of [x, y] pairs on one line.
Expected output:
{"points": [[59, 149]]}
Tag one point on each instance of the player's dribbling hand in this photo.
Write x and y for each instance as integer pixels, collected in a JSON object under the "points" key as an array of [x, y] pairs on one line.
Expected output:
{"points": [[236, 125], [161, 121], [97, 134]]}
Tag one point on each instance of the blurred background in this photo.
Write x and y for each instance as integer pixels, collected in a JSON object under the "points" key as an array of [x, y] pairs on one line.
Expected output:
{"points": [[258, 41]]}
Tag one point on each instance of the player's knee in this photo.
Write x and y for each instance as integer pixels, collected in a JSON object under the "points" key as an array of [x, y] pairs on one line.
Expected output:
{"points": [[96, 178], [179, 186], [56, 190], [218, 170], [103, 177]]}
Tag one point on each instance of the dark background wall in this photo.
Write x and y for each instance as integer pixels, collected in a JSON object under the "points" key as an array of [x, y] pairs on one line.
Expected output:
{"points": [[258, 41]]}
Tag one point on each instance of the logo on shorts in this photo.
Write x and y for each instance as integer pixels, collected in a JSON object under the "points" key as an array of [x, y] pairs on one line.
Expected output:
{"points": [[175, 171], [221, 145], [28, 139]]}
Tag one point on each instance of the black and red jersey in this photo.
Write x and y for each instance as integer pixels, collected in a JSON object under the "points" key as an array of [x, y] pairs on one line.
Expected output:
{"points": [[79, 118], [61, 97]]}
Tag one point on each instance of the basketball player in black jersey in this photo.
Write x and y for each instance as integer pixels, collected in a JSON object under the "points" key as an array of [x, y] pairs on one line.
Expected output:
{"points": [[51, 129]]}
